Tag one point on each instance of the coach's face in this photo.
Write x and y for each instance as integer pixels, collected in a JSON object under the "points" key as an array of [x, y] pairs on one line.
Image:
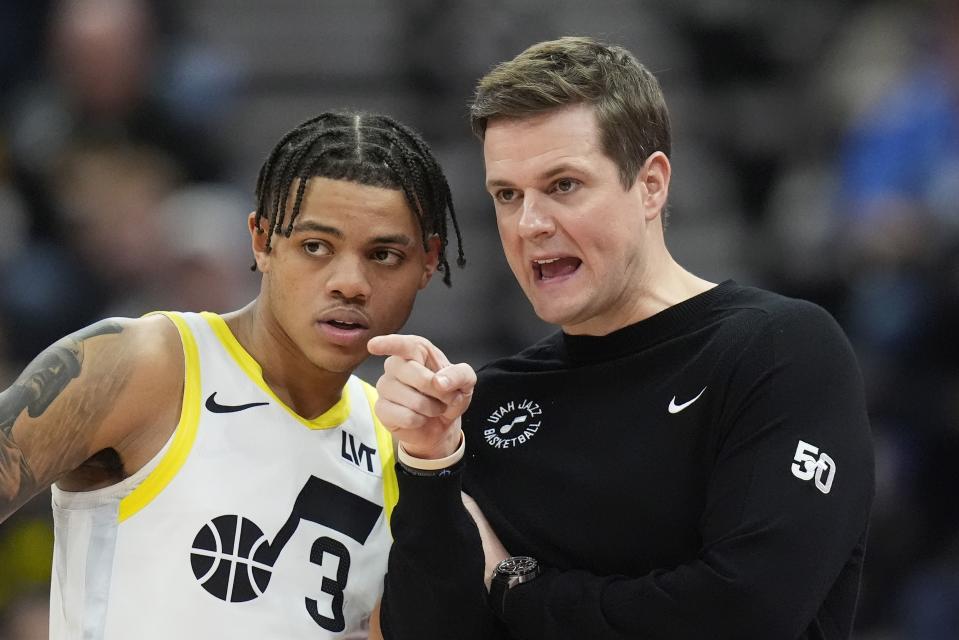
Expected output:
{"points": [[580, 245], [349, 271]]}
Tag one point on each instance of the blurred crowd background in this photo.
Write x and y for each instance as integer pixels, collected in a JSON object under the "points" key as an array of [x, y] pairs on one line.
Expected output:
{"points": [[816, 154]]}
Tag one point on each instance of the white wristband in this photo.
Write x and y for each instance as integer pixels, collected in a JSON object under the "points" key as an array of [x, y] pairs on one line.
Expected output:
{"points": [[432, 465]]}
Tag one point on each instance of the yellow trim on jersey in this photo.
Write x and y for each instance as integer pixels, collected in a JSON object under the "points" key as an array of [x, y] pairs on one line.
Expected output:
{"points": [[334, 416], [183, 437], [384, 442]]}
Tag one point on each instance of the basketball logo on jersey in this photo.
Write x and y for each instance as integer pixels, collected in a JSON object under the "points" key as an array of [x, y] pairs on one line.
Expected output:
{"points": [[512, 424], [233, 559]]}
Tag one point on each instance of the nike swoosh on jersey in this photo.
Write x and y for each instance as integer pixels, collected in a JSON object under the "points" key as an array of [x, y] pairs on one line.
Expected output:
{"points": [[215, 407], [676, 408]]}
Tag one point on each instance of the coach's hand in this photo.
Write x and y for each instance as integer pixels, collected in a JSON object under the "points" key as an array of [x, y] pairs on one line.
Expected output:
{"points": [[421, 395]]}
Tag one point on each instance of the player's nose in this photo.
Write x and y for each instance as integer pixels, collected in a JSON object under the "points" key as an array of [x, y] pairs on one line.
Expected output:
{"points": [[349, 278]]}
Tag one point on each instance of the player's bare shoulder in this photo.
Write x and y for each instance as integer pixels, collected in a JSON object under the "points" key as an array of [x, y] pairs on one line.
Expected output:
{"points": [[142, 372], [149, 404], [87, 402]]}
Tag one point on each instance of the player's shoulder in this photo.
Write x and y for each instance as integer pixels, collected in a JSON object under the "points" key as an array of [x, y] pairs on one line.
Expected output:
{"points": [[150, 344], [152, 338], [128, 374]]}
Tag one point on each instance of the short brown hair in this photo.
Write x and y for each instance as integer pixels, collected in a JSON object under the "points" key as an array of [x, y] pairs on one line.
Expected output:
{"points": [[630, 109]]}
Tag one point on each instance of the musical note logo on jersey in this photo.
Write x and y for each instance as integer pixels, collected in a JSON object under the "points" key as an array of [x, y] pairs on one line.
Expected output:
{"points": [[512, 424], [233, 559]]}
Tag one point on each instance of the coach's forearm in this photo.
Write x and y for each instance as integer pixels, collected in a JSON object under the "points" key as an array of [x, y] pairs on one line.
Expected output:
{"points": [[434, 587]]}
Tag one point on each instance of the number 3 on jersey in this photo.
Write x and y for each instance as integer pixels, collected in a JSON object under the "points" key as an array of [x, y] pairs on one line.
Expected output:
{"points": [[807, 466], [332, 586]]}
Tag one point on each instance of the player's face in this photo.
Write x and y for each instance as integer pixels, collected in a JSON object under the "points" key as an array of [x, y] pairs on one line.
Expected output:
{"points": [[349, 271], [576, 240]]}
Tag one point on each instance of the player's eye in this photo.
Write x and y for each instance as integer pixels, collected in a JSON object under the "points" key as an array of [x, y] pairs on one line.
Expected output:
{"points": [[316, 248], [388, 257], [505, 195]]}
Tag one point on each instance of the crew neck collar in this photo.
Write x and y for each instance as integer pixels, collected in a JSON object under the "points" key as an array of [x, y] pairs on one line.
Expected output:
{"points": [[584, 349]]}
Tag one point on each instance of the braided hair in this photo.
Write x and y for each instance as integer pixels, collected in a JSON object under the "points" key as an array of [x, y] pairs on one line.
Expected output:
{"points": [[369, 149]]}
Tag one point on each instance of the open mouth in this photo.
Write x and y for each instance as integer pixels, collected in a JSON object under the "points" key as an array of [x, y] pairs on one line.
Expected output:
{"points": [[345, 332], [340, 324], [552, 268], [346, 326]]}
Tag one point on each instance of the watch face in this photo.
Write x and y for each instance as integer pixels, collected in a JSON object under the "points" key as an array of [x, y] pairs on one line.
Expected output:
{"points": [[517, 565]]}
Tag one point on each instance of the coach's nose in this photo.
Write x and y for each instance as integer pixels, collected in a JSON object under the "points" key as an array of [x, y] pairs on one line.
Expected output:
{"points": [[535, 221]]}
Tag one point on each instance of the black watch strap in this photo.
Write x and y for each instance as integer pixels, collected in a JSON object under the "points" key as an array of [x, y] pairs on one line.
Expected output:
{"points": [[509, 573], [497, 598]]}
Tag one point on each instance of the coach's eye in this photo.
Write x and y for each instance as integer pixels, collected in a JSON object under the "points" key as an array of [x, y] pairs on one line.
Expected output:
{"points": [[566, 185]]}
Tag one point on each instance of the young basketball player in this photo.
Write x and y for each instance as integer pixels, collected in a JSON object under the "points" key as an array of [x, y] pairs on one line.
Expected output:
{"points": [[225, 476]]}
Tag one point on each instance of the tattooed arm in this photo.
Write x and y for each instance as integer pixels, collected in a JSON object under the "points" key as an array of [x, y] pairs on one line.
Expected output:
{"points": [[86, 394]]}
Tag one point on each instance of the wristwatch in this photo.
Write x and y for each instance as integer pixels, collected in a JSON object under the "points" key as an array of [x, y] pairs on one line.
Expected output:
{"points": [[507, 574]]}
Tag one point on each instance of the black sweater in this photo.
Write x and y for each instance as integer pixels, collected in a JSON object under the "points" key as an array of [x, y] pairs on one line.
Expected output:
{"points": [[659, 474]]}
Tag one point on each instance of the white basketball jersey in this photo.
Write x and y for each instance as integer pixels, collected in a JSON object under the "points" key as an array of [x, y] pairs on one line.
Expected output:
{"points": [[252, 522]]}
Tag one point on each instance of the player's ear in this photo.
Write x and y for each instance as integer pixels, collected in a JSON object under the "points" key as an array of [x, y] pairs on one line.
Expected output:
{"points": [[432, 259], [259, 235]]}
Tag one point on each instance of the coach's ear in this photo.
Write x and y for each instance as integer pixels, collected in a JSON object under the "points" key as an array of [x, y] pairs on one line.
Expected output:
{"points": [[259, 236], [653, 181]]}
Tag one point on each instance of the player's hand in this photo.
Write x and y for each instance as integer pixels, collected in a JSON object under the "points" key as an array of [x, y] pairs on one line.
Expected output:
{"points": [[421, 395]]}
